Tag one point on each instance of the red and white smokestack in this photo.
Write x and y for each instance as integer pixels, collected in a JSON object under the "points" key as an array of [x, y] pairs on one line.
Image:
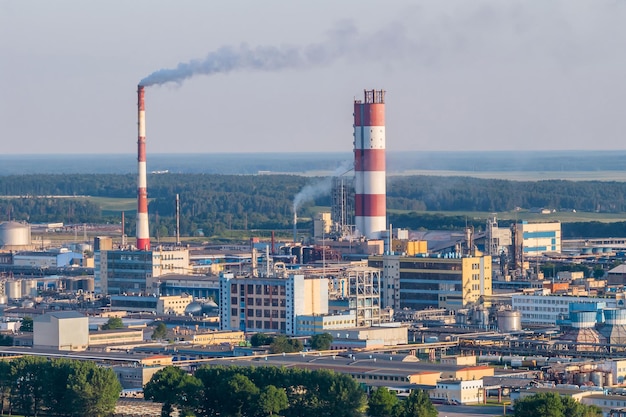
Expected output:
{"points": [[370, 207], [143, 231]]}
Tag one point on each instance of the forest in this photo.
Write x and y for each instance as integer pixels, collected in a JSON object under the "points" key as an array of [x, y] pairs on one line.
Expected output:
{"points": [[217, 203]]}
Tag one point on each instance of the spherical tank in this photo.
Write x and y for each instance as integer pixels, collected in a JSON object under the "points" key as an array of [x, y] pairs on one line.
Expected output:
{"points": [[14, 234], [583, 319], [509, 321]]}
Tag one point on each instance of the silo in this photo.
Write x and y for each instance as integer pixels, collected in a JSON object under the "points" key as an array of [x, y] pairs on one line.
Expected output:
{"points": [[13, 289], [29, 287], [597, 378], [583, 332], [614, 327], [14, 234], [509, 321], [583, 319]]}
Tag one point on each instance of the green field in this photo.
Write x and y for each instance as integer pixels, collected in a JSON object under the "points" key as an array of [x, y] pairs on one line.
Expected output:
{"points": [[564, 217], [619, 176]]}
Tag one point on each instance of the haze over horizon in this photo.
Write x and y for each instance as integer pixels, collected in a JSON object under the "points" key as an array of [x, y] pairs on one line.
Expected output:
{"points": [[280, 76]]}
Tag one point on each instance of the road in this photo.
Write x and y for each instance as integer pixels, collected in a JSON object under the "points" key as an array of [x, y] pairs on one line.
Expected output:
{"points": [[468, 411]]}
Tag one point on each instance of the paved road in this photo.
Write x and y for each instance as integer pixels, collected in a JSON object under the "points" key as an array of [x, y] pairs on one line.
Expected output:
{"points": [[468, 411]]}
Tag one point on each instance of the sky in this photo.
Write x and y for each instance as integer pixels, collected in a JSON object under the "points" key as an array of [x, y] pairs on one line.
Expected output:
{"points": [[281, 76]]}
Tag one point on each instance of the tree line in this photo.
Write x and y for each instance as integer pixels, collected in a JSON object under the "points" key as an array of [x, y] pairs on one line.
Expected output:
{"points": [[218, 203], [33, 386], [256, 391]]}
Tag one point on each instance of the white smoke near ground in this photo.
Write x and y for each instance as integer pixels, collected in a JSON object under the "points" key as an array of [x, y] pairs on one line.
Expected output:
{"points": [[321, 188]]}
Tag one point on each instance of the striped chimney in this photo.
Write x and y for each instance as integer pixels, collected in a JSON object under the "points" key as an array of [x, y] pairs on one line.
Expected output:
{"points": [[143, 231], [370, 206]]}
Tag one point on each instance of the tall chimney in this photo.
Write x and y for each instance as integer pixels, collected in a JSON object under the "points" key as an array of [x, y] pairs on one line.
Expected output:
{"points": [[370, 207], [177, 220], [143, 231]]}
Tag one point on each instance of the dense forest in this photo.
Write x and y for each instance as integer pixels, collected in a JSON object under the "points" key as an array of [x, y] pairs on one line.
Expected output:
{"points": [[216, 203]]}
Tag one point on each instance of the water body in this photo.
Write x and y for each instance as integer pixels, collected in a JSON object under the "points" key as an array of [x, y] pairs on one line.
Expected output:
{"points": [[555, 164]]}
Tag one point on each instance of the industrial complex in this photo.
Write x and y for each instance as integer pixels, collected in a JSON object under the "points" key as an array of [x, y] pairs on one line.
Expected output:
{"points": [[465, 315]]}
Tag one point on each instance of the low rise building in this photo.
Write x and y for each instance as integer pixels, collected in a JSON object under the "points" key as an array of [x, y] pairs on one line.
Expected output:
{"points": [[63, 330], [458, 391]]}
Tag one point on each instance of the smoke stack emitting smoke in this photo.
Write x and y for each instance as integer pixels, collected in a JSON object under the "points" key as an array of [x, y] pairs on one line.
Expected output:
{"points": [[143, 231]]}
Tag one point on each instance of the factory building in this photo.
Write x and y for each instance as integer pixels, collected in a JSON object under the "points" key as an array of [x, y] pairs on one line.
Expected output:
{"points": [[420, 282], [370, 205], [548, 309], [61, 258], [137, 272], [536, 239], [270, 304], [62, 330]]}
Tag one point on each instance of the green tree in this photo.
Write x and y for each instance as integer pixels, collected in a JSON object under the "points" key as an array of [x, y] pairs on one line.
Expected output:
{"points": [[6, 383], [272, 400], [321, 341], [284, 344], [160, 331], [540, 405], [113, 323], [27, 325], [417, 404], [240, 396], [260, 339], [94, 390], [382, 403], [172, 386]]}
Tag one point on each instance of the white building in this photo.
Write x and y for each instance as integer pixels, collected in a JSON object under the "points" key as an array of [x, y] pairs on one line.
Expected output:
{"points": [[458, 391], [537, 239], [63, 330], [546, 309], [270, 304]]}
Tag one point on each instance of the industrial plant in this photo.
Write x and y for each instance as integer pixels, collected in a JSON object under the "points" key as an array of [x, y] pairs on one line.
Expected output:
{"points": [[432, 309]]}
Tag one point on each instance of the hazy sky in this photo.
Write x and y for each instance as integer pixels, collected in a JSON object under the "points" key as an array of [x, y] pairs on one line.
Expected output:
{"points": [[459, 74]]}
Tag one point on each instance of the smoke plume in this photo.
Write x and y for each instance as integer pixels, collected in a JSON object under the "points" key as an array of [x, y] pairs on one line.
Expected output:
{"points": [[312, 191], [343, 42]]}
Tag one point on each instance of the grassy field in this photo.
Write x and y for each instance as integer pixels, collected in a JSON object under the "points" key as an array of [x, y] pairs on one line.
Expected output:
{"points": [[619, 176], [564, 217]]}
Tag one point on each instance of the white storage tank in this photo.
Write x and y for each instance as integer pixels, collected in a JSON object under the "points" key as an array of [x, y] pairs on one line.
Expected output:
{"points": [[29, 287], [509, 321], [14, 234], [13, 289]]}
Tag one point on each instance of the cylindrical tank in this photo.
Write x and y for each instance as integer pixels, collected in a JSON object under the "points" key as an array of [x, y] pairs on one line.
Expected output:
{"points": [[608, 379], [489, 358], [583, 319], [597, 250], [14, 234], [615, 316], [597, 378], [481, 317], [509, 321], [13, 289], [4, 299], [586, 251], [29, 287]]}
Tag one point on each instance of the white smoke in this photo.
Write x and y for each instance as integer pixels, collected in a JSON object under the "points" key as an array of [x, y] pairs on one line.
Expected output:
{"points": [[312, 191]]}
